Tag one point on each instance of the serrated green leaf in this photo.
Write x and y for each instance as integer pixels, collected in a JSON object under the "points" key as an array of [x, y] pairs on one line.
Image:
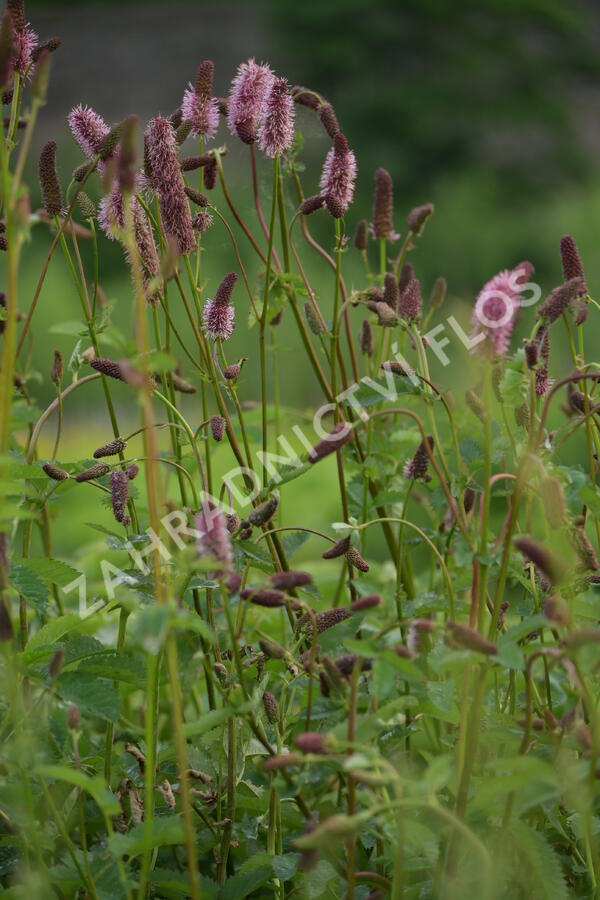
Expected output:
{"points": [[50, 633], [545, 872], [29, 585], [93, 695], [53, 570]]}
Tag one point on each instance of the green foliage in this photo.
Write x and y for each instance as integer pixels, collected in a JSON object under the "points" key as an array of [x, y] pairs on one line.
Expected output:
{"points": [[377, 668]]}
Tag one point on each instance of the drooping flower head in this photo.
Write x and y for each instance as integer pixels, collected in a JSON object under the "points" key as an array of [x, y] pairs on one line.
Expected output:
{"points": [[328, 119], [558, 301], [198, 106], [338, 177], [88, 128], [218, 314], [246, 97], [497, 305], [212, 537], [276, 131], [202, 221], [168, 183], [383, 206], [418, 216]]}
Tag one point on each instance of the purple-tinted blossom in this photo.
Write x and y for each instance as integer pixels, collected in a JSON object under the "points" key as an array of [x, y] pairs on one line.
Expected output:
{"points": [[418, 216], [571, 261], [496, 308], [409, 307], [338, 177], [383, 206], [88, 128], [417, 465], [198, 106], [168, 183], [213, 538], [246, 97], [202, 221], [276, 131], [25, 41], [111, 213], [218, 315]]}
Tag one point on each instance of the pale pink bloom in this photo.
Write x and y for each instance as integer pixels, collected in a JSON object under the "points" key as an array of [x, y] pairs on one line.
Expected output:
{"points": [[213, 538], [246, 97], [111, 213], [145, 244], [25, 41], [111, 219], [218, 316], [202, 221], [276, 131], [168, 183], [199, 107], [497, 305], [88, 128], [338, 177]]}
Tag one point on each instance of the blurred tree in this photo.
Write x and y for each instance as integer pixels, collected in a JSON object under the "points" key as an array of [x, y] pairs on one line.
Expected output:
{"points": [[436, 86]]}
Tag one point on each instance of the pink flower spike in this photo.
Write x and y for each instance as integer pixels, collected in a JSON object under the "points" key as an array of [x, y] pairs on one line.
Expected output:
{"points": [[168, 183], [338, 177], [246, 97], [276, 131], [25, 42], [218, 316], [88, 128], [198, 106], [496, 308], [212, 536], [111, 214]]}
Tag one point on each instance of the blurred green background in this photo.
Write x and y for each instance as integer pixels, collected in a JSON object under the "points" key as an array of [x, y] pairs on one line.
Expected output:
{"points": [[488, 109]]}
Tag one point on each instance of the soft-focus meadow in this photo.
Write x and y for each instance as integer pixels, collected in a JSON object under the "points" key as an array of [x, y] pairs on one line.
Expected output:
{"points": [[370, 668]]}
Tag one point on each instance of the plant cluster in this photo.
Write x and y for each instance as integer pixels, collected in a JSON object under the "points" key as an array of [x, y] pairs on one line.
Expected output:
{"points": [[184, 712]]}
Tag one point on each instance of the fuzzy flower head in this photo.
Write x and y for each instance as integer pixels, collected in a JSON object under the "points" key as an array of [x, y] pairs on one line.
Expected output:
{"points": [[198, 106], [168, 183], [246, 97], [111, 213], [202, 221], [276, 131], [218, 315], [88, 128], [497, 305], [338, 177], [25, 40], [212, 536]]}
